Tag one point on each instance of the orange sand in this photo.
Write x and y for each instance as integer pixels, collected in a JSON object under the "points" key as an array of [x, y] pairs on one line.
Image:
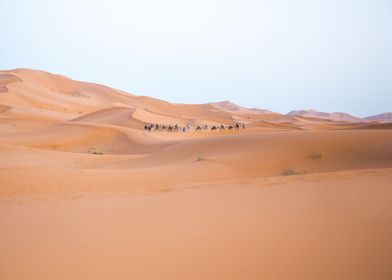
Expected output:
{"points": [[86, 193]]}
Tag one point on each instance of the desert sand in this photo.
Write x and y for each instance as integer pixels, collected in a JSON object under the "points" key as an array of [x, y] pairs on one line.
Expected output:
{"points": [[87, 193]]}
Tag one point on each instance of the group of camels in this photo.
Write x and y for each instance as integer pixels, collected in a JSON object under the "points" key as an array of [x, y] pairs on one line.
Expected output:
{"points": [[188, 127]]}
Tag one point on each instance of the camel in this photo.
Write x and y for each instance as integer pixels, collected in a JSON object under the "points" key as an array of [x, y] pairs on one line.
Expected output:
{"points": [[148, 127], [188, 127]]}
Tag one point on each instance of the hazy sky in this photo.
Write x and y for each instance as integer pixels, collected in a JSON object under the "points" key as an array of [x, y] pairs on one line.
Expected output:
{"points": [[333, 55]]}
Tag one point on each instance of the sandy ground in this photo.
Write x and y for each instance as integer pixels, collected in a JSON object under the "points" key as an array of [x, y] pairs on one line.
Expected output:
{"points": [[330, 226], [86, 193]]}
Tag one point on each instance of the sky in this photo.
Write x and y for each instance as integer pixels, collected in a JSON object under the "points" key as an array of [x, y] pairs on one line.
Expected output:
{"points": [[281, 55]]}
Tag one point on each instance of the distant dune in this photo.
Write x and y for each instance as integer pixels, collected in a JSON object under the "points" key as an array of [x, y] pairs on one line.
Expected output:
{"points": [[339, 117], [234, 108], [383, 118], [299, 196]]}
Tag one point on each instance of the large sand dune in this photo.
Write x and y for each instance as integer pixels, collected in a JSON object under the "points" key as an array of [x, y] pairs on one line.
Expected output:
{"points": [[293, 196]]}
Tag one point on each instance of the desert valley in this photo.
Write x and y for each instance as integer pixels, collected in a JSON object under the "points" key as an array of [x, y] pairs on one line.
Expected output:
{"points": [[87, 192]]}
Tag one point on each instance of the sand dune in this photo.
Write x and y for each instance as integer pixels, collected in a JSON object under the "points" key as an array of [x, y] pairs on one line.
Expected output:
{"points": [[238, 110], [298, 196], [85, 138], [115, 116], [173, 162], [337, 116], [6, 79], [383, 118]]}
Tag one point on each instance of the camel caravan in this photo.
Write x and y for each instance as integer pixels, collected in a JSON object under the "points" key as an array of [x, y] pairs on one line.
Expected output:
{"points": [[188, 127]]}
